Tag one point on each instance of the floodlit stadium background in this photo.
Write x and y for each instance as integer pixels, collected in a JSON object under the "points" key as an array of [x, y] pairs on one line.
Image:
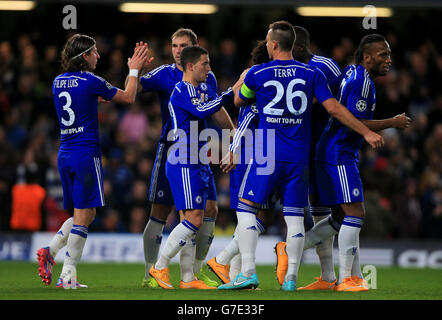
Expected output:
{"points": [[402, 181]]}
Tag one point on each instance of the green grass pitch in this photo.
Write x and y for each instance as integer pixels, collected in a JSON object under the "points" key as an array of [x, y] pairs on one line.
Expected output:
{"points": [[112, 281]]}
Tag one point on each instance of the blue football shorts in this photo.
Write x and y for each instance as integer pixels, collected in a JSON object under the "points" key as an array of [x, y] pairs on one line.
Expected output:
{"points": [[236, 180], [191, 185], [81, 178], [288, 179], [337, 184], [160, 191]]}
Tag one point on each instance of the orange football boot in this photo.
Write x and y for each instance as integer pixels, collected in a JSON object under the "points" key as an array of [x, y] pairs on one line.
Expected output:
{"points": [[282, 261], [360, 281], [348, 285], [162, 277], [319, 284], [220, 270], [195, 284]]}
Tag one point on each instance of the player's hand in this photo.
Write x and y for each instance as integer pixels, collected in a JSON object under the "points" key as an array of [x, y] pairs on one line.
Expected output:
{"points": [[374, 139], [140, 57], [237, 86], [150, 56], [402, 121], [228, 163]]}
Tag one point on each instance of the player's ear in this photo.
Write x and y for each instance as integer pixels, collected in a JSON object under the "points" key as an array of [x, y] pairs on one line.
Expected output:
{"points": [[366, 57]]}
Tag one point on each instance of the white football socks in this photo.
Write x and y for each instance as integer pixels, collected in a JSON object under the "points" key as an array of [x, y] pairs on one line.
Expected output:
{"points": [[231, 250], [61, 237], [348, 241], [321, 231], [187, 258], [325, 249], [204, 238], [247, 237], [179, 236], [235, 266], [294, 243], [75, 245], [152, 237]]}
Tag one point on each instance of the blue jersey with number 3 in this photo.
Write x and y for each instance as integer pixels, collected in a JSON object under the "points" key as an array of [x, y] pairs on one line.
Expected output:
{"points": [[284, 91], [76, 102]]}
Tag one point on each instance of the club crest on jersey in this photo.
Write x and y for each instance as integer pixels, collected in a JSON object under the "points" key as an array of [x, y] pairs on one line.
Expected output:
{"points": [[196, 101], [203, 86], [254, 108], [361, 105], [355, 192]]}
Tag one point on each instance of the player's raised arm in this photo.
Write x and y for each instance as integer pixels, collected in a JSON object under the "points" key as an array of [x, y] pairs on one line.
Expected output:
{"points": [[400, 121], [192, 103], [242, 97], [338, 111], [135, 64], [144, 68]]}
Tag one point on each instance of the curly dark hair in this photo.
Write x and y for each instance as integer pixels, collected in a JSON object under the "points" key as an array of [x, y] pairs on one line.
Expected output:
{"points": [[259, 53], [71, 57]]}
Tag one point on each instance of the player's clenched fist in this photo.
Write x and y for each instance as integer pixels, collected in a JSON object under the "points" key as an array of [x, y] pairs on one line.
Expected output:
{"points": [[402, 121], [374, 139]]}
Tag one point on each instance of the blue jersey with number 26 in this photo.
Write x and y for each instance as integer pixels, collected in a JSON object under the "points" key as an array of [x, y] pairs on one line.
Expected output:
{"points": [[284, 91]]}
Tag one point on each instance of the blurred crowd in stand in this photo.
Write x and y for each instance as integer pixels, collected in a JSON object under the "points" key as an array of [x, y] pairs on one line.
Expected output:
{"points": [[402, 181]]}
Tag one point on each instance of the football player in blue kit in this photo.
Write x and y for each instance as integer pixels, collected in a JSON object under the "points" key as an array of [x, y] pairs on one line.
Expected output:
{"points": [[187, 166], [163, 80], [320, 117], [337, 154], [227, 264], [284, 91], [330, 226], [76, 93]]}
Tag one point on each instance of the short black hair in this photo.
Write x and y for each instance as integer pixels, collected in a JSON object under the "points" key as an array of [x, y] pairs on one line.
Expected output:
{"points": [[302, 36], [284, 34], [363, 45], [191, 54]]}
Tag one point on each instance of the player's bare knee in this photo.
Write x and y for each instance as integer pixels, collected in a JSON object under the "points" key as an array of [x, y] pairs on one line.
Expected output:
{"points": [[195, 217], [211, 209], [160, 211], [354, 209]]}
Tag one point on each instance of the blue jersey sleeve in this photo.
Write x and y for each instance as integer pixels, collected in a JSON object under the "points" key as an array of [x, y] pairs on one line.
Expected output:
{"points": [[321, 89], [248, 88], [153, 80], [358, 101], [212, 86], [248, 117], [102, 88], [191, 102]]}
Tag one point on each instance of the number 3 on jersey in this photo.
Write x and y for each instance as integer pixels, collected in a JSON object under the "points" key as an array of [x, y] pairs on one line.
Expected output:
{"points": [[67, 108], [290, 95]]}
